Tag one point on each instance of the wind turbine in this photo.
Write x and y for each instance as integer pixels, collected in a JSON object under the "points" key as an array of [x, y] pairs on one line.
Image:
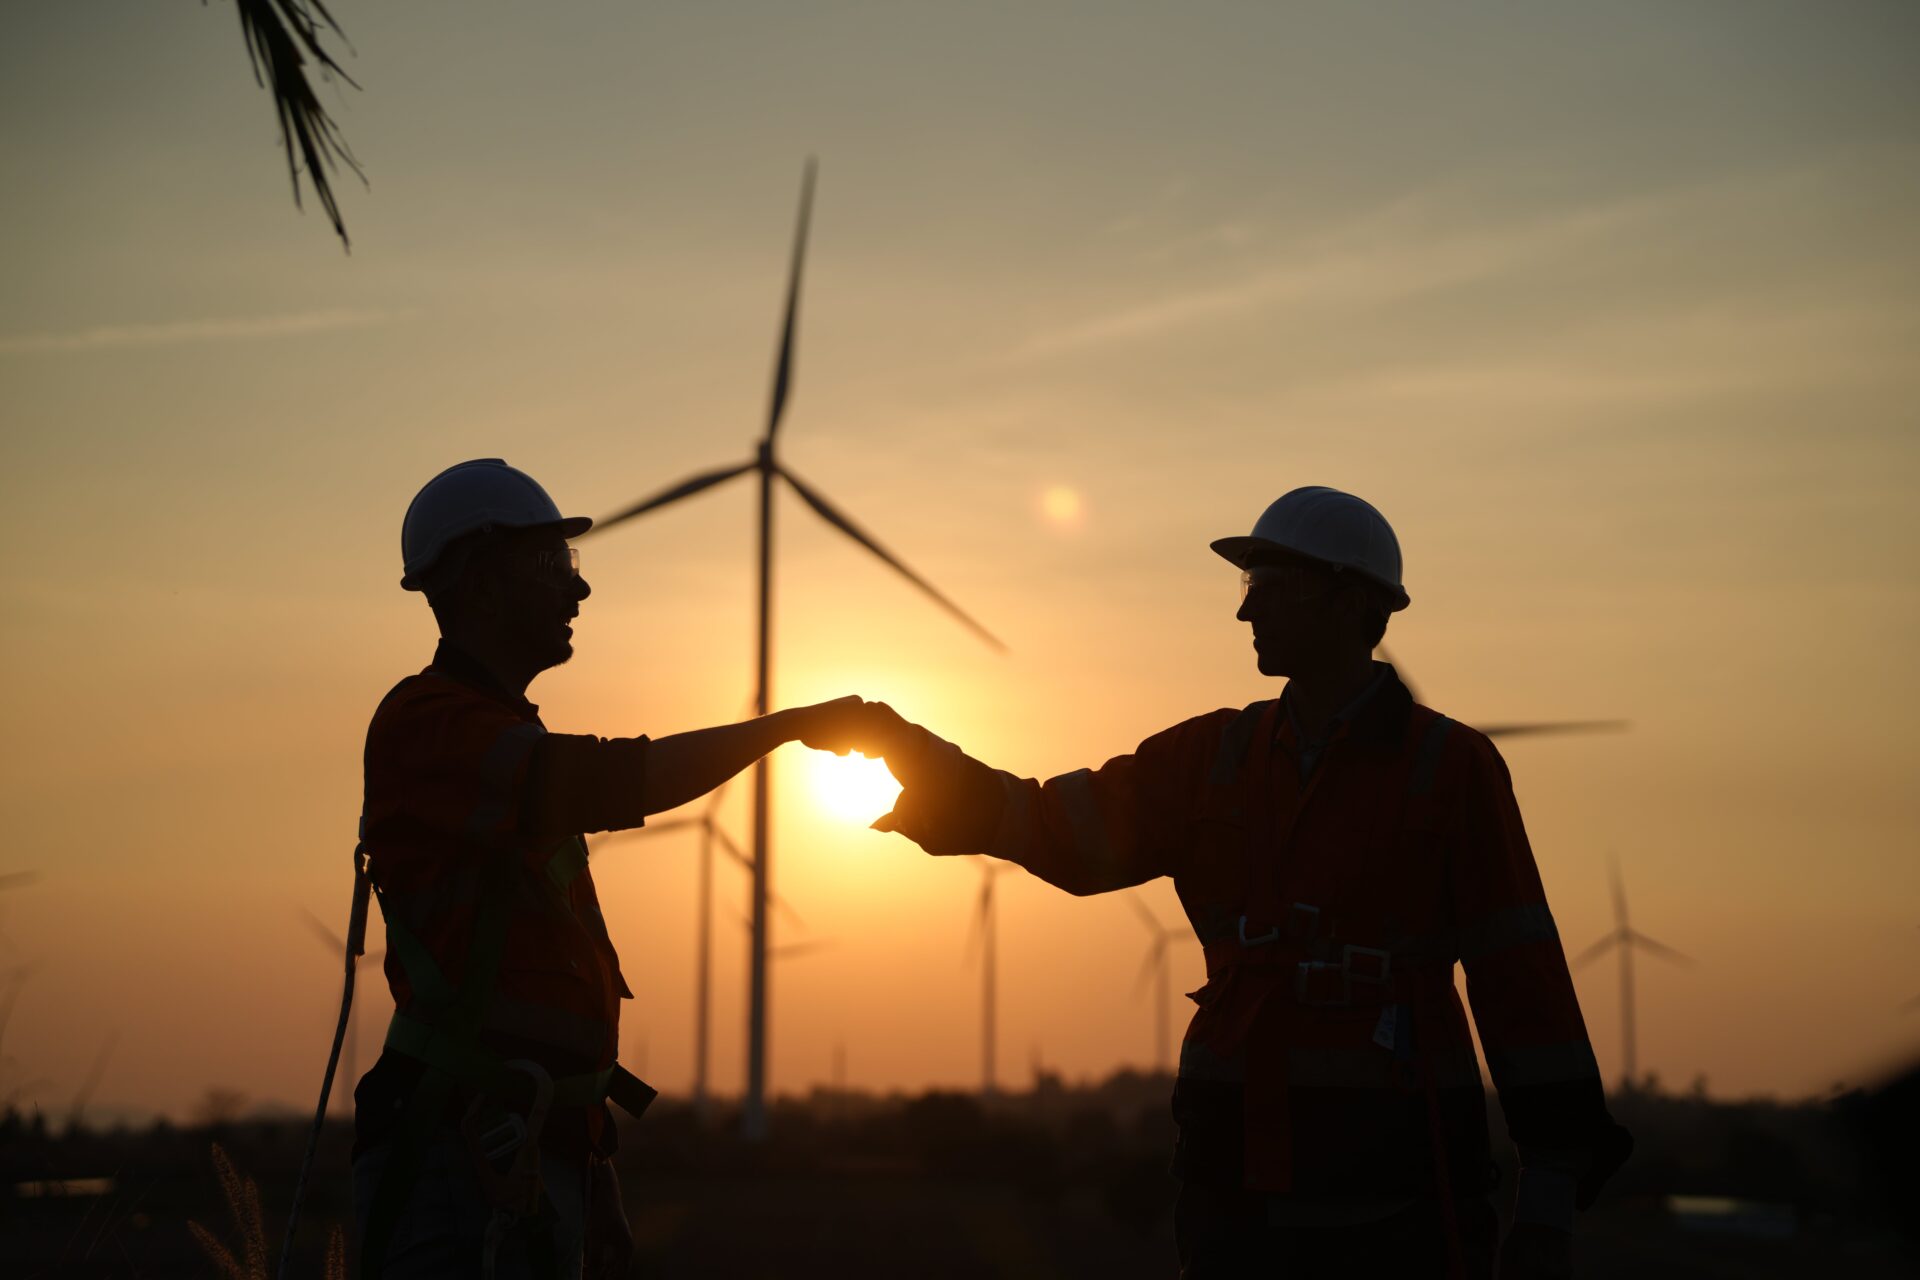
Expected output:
{"points": [[712, 834], [770, 468], [1519, 728], [1155, 967], [1626, 938], [984, 932], [95, 1074], [337, 946]]}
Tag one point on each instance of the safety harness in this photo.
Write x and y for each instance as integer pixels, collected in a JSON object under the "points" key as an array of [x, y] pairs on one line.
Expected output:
{"points": [[1297, 957], [442, 1031]]}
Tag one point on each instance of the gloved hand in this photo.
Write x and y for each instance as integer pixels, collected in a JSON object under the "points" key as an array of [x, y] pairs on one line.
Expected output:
{"points": [[1535, 1252]]}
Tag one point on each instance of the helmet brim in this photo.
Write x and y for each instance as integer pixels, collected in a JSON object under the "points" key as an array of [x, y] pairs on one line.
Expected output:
{"points": [[569, 528], [1236, 551]]}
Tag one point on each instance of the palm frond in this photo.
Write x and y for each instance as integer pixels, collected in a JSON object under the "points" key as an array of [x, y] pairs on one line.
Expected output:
{"points": [[281, 36]]}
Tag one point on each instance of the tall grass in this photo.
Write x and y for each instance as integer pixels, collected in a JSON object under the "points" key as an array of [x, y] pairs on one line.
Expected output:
{"points": [[248, 1259]]}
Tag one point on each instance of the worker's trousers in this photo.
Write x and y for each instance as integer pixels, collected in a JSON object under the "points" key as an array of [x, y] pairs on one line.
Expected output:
{"points": [[442, 1229], [1229, 1235]]}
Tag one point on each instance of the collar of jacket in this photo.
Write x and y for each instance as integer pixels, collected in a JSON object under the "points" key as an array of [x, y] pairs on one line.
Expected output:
{"points": [[1381, 719], [455, 663]]}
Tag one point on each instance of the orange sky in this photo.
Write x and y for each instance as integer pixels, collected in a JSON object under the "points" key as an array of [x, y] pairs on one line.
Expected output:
{"points": [[1611, 309]]}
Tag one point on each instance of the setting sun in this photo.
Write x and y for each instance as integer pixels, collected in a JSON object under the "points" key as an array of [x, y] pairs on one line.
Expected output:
{"points": [[852, 786]]}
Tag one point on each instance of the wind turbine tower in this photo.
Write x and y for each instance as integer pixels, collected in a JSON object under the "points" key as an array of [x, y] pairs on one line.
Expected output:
{"points": [[1626, 938], [337, 946], [985, 930], [1155, 968], [766, 463]]}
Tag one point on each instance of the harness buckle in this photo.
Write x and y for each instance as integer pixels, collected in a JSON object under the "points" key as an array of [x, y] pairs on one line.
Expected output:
{"points": [[1382, 959], [1310, 977], [503, 1139], [1260, 940], [1307, 990]]}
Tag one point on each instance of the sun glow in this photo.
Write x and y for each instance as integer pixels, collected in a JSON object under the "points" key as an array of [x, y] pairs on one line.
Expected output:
{"points": [[852, 786], [1063, 506]]}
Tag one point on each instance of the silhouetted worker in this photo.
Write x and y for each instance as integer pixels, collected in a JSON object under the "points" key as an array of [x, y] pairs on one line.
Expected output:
{"points": [[482, 1134], [1337, 850]]}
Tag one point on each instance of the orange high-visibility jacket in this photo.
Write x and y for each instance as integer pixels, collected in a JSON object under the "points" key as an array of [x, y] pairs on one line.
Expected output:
{"points": [[463, 788], [1330, 1052]]}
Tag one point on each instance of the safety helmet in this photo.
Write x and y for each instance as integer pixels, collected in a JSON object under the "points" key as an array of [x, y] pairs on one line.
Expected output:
{"points": [[1329, 526], [474, 497]]}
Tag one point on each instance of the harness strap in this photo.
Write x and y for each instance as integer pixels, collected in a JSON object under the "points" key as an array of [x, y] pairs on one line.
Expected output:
{"points": [[429, 1101], [1234, 741]]}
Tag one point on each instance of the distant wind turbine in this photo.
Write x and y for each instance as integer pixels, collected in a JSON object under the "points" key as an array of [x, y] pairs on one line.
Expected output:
{"points": [[95, 1074], [983, 931], [337, 947], [712, 835], [770, 468], [1155, 968], [1626, 938]]}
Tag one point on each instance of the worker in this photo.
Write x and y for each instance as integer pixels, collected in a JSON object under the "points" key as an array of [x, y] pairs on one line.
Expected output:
{"points": [[1337, 850], [482, 1135]]}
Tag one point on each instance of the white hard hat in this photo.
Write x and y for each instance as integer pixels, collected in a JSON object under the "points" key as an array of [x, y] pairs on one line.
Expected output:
{"points": [[1330, 526], [470, 497]]}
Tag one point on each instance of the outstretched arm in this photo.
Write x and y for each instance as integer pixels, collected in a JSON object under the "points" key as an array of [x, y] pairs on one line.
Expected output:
{"points": [[686, 766], [1088, 831], [586, 784]]}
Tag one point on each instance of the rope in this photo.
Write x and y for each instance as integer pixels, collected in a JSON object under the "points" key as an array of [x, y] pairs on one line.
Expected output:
{"points": [[356, 946]]}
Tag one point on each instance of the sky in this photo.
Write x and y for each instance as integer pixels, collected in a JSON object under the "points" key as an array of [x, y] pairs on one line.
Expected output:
{"points": [[1611, 309]]}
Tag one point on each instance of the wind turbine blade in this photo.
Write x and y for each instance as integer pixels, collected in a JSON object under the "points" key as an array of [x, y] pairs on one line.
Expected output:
{"points": [[738, 855], [1910, 1005], [732, 850], [1619, 893], [787, 951], [18, 879], [827, 512], [334, 942], [1594, 952], [1660, 949], [685, 489], [92, 1082], [785, 908], [783, 366], [1399, 671], [1535, 728], [1146, 914]]}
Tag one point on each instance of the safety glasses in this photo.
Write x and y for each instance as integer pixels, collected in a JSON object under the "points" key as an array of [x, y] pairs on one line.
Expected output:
{"points": [[558, 566], [1285, 584]]}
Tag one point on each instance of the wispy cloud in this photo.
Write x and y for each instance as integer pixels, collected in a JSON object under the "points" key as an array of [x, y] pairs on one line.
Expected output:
{"points": [[110, 337], [1375, 263]]}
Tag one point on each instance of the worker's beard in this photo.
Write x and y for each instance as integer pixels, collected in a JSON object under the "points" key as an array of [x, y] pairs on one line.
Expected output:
{"points": [[545, 639]]}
